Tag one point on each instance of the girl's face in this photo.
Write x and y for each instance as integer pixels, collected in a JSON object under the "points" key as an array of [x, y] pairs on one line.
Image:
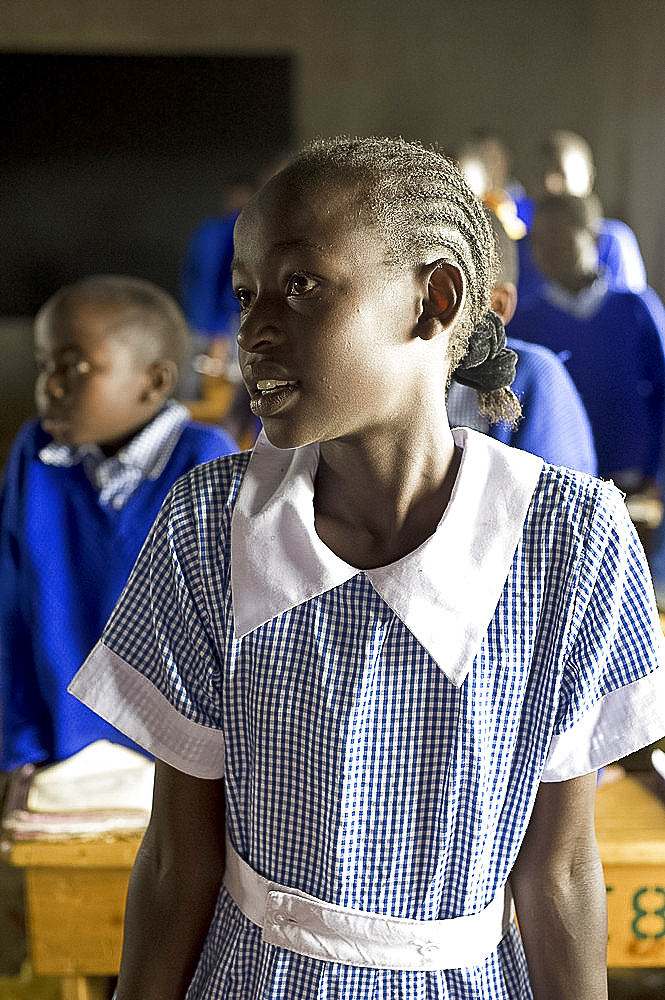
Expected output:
{"points": [[327, 341], [91, 387]]}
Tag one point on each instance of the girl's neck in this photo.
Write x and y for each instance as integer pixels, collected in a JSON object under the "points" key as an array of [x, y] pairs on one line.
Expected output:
{"points": [[374, 505]]}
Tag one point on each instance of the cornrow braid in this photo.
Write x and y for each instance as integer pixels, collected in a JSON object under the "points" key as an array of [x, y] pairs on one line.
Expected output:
{"points": [[421, 202]]}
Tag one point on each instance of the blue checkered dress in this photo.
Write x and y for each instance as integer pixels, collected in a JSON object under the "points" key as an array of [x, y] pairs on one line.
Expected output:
{"points": [[355, 769]]}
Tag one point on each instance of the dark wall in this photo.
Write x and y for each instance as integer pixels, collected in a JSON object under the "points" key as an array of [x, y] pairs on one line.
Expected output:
{"points": [[109, 161]]}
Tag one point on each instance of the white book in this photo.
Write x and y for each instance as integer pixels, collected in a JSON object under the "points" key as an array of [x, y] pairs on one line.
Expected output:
{"points": [[102, 776]]}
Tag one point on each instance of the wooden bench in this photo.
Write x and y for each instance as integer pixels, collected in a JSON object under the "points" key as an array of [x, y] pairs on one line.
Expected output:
{"points": [[630, 827], [75, 894]]}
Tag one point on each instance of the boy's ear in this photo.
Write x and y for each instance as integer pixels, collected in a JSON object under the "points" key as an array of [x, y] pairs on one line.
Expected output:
{"points": [[443, 299], [162, 379], [504, 300]]}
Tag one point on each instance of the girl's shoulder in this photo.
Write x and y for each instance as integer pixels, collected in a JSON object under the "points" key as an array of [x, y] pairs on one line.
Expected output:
{"points": [[218, 478], [576, 505], [208, 491]]}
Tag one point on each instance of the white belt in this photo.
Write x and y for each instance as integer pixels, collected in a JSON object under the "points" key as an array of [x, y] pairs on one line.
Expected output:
{"points": [[309, 926]]}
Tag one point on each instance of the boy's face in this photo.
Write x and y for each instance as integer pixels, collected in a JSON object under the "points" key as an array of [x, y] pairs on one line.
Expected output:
{"points": [[564, 171], [566, 254], [326, 336], [91, 385]]}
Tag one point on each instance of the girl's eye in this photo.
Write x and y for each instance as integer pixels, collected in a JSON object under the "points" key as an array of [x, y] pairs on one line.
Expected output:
{"points": [[243, 297], [300, 284]]}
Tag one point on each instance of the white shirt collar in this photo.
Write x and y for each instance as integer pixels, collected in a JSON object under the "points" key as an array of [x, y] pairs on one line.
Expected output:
{"points": [[445, 592], [145, 457], [584, 304]]}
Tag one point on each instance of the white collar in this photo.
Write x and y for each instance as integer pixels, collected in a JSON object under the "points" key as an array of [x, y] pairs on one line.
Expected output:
{"points": [[445, 592], [148, 452], [584, 304]]}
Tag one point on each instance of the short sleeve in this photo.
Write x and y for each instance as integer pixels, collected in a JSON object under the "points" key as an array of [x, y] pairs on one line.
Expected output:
{"points": [[156, 672], [612, 699]]}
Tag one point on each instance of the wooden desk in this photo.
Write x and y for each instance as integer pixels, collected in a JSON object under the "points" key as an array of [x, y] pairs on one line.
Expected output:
{"points": [[215, 401], [76, 891], [630, 827]]}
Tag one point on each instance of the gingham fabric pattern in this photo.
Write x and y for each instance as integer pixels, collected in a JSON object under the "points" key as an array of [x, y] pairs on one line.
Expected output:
{"points": [[462, 407], [355, 770], [116, 478]]}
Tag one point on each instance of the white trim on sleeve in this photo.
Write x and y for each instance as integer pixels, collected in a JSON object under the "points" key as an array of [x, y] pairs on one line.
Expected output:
{"points": [[620, 723], [130, 702]]}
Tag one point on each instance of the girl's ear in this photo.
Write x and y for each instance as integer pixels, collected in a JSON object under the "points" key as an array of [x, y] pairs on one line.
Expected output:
{"points": [[162, 378], [443, 300]]}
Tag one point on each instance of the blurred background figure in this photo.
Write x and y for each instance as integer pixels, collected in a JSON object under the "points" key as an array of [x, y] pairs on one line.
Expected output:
{"points": [[563, 164], [207, 298], [485, 161], [212, 310], [554, 424], [82, 487], [205, 288], [83, 483], [611, 340]]}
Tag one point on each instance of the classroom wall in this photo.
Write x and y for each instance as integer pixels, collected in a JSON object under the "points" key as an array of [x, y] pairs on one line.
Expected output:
{"points": [[430, 68], [427, 68]]}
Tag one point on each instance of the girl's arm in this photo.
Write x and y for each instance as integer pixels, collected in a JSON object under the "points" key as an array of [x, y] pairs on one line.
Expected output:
{"points": [[559, 893], [173, 888]]}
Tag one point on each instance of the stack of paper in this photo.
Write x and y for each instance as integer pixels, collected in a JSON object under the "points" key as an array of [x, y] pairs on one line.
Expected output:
{"points": [[105, 788]]}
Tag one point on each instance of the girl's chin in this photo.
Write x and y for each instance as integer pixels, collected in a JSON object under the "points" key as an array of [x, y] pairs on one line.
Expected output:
{"points": [[283, 436]]}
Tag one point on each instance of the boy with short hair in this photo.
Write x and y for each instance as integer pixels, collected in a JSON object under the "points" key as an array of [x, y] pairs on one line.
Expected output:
{"points": [[612, 341], [82, 486], [554, 424], [564, 164]]}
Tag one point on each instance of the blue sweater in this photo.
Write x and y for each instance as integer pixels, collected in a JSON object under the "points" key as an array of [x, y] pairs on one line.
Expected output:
{"points": [[64, 559], [554, 425], [615, 358], [206, 291]]}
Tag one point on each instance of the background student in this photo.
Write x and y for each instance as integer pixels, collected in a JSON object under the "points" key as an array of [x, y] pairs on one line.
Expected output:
{"points": [[81, 488], [563, 163], [554, 424], [612, 341]]}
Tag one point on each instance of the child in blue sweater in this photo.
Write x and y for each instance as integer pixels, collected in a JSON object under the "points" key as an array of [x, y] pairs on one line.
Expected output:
{"points": [[611, 341], [564, 164], [554, 424], [82, 486]]}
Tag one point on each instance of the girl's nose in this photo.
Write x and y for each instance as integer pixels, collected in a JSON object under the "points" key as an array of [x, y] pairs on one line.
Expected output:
{"points": [[260, 327]]}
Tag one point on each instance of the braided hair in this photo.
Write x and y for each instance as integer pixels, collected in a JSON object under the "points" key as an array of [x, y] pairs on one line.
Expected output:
{"points": [[421, 202]]}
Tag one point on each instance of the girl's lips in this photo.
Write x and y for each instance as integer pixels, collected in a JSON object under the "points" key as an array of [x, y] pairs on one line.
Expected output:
{"points": [[273, 396]]}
